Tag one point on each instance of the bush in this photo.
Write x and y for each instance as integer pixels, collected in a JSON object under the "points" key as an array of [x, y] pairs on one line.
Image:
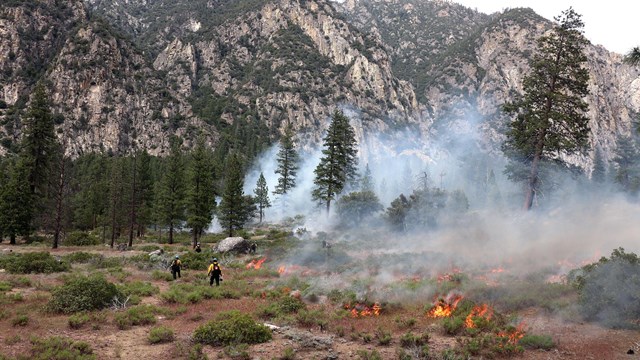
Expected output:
{"points": [[81, 238], [284, 305], [35, 262], [76, 321], [531, 341], [232, 327], [161, 334], [365, 355], [161, 275], [610, 289], [139, 288], [58, 348], [5, 286], [288, 354], [237, 352], [138, 315], [81, 293], [383, 337], [410, 340], [453, 325], [81, 257], [20, 320]]}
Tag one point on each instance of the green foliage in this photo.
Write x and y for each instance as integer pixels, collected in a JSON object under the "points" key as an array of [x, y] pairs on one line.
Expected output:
{"points": [[288, 354], [516, 296], [138, 288], [337, 166], [161, 275], [20, 320], [137, 315], [551, 115], [81, 238], [5, 286], [169, 206], [262, 196], [369, 355], [161, 334], [532, 341], [288, 164], [78, 320], [626, 164], [282, 306], [59, 348], [33, 262], [200, 189], [235, 208], [232, 327], [355, 207], [81, 293], [237, 351], [81, 257], [610, 289], [453, 324], [410, 339], [383, 336]]}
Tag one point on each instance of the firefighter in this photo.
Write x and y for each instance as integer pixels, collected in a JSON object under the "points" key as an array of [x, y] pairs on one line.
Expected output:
{"points": [[175, 266], [214, 272]]}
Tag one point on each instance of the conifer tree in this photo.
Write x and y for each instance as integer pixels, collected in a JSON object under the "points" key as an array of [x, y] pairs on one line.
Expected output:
{"points": [[116, 197], [288, 164], [262, 195], [633, 57], [550, 116], [338, 164], [16, 209], [366, 183], [91, 201], [599, 173], [200, 199], [170, 198], [235, 208], [627, 174]]}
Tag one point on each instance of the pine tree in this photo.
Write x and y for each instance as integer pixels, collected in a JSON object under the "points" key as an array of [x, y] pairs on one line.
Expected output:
{"points": [[235, 208], [140, 194], [116, 197], [91, 201], [262, 196], [599, 173], [550, 116], [338, 164], [366, 183], [16, 209], [170, 198], [39, 142], [200, 199], [633, 57], [288, 164], [627, 174]]}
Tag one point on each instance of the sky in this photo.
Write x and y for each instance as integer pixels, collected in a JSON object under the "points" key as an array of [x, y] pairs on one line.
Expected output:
{"points": [[611, 23]]}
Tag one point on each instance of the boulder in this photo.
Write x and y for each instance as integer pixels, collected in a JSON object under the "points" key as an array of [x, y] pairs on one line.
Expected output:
{"points": [[235, 244]]}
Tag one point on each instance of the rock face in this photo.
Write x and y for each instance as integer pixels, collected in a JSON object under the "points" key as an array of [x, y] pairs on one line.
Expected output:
{"points": [[155, 68], [236, 244]]}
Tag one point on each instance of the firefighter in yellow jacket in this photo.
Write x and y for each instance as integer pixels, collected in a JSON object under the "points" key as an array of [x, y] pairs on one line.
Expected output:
{"points": [[175, 266], [214, 272]]}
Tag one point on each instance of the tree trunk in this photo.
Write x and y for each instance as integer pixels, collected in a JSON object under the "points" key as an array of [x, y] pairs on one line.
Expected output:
{"points": [[532, 184], [133, 203], [170, 233], [12, 239], [59, 203], [195, 236]]}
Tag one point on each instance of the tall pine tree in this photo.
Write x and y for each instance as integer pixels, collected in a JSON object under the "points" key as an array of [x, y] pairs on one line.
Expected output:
{"points": [[262, 196], [338, 164], [550, 116], [200, 199], [288, 164], [16, 204], [366, 183], [170, 198], [235, 208]]}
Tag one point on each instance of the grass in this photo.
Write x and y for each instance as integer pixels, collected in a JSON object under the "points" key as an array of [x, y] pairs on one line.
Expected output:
{"points": [[531, 341], [137, 315]]}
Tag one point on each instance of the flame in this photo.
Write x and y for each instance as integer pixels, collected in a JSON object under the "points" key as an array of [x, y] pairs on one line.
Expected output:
{"points": [[361, 310], [255, 264], [483, 311], [498, 270], [513, 336], [281, 270], [444, 308]]}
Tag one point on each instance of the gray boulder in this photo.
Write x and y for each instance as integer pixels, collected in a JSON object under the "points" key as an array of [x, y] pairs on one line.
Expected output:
{"points": [[235, 244]]}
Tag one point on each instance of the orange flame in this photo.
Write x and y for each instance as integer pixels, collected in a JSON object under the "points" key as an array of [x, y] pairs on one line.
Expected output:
{"points": [[513, 336], [482, 311], [281, 270], [255, 264], [360, 310], [444, 308]]}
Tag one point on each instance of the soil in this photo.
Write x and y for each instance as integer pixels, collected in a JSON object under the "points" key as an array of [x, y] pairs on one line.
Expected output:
{"points": [[338, 340]]}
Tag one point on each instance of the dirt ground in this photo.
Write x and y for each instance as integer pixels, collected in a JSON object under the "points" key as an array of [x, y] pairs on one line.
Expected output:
{"points": [[574, 340]]}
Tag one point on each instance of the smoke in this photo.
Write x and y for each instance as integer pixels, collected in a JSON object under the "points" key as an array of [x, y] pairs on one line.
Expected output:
{"points": [[573, 223]]}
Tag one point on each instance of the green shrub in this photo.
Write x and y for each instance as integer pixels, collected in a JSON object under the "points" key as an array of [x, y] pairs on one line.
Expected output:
{"points": [[312, 317], [232, 327], [383, 337], [20, 281], [139, 288], [81, 293], [104, 262], [531, 341], [237, 352], [405, 323], [161, 275], [284, 305], [453, 325], [81, 238], [78, 320], [35, 262], [161, 334], [5, 286], [411, 340], [197, 261], [137, 315], [59, 348], [20, 320], [81, 257], [288, 354], [366, 355]]}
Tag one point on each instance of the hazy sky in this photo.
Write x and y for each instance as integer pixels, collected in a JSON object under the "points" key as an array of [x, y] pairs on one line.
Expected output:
{"points": [[611, 23]]}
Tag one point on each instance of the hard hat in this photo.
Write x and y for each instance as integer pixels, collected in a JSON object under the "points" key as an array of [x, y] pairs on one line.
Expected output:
{"points": [[177, 257], [215, 259]]}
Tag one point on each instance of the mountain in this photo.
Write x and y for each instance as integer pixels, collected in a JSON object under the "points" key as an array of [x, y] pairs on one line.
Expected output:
{"points": [[129, 73]]}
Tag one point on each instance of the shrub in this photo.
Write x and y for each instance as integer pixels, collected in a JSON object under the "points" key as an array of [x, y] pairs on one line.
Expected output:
{"points": [[138, 315], [20, 320], [160, 334], [139, 288], [366, 355], [383, 336], [531, 341], [81, 293], [81, 257], [35, 262], [405, 323], [76, 321], [5, 286], [453, 325], [237, 352], [610, 289], [288, 354], [411, 340], [81, 238], [284, 305], [232, 327], [161, 275], [60, 348]]}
